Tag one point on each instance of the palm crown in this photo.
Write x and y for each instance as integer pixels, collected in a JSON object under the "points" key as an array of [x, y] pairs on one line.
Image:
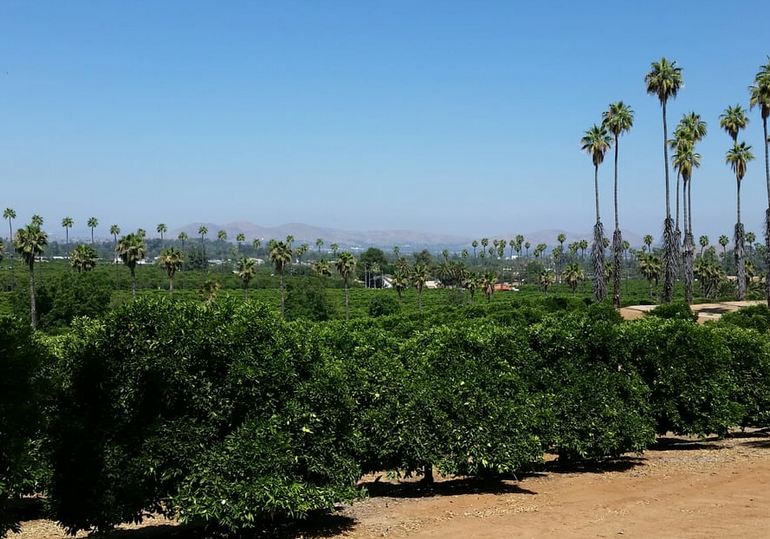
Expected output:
{"points": [[618, 118], [595, 142], [664, 80], [732, 120]]}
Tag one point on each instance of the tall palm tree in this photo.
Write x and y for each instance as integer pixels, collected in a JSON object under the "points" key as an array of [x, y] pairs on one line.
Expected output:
{"points": [[37, 221], [400, 281], [664, 81], [301, 251], [334, 247], [161, 229], [30, 242], [319, 243], [760, 97], [704, 241], [750, 239], [346, 265], [396, 251], [93, 222], [203, 232], [595, 142], [245, 271], [171, 259], [257, 243], [131, 249], [280, 255], [618, 119], [83, 258], [724, 241], [738, 158], [732, 120], [527, 245], [650, 266], [182, 237], [9, 214], [648, 242], [67, 223], [222, 235], [419, 278], [115, 232], [685, 160], [475, 245], [240, 238]]}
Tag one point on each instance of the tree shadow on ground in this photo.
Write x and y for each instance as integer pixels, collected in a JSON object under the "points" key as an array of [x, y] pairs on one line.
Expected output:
{"points": [[757, 444], [621, 464], [449, 487], [685, 444], [761, 433]]}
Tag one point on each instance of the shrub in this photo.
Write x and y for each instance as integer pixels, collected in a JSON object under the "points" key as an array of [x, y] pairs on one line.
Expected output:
{"points": [[676, 310], [687, 367], [20, 360], [306, 299], [383, 306], [752, 317], [598, 402], [160, 402]]}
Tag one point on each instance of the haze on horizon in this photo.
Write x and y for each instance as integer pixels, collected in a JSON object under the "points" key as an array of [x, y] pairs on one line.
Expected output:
{"points": [[460, 118]]}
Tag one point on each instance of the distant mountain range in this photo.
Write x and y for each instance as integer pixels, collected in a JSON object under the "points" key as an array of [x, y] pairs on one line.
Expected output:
{"points": [[407, 240]]}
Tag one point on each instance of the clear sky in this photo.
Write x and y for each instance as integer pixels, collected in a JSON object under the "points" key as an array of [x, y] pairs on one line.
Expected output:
{"points": [[457, 117]]}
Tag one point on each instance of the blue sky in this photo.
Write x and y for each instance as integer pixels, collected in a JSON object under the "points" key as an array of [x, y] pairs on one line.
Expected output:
{"points": [[457, 117]]}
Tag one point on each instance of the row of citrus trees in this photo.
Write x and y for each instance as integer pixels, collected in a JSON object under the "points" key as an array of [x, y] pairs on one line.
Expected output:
{"points": [[227, 416]]}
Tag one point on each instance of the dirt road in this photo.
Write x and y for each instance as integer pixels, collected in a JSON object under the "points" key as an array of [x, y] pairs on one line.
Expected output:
{"points": [[680, 489]]}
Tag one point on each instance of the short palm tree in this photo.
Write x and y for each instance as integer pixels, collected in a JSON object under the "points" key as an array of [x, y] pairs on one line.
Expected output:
{"points": [[245, 270], [131, 249], [664, 81], [704, 241], [475, 245], [419, 278], [83, 258], [29, 243], [37, 221], [488, 281], [648, 242], [171, 259], [650, 266], [346, 265], [334, 247], [738, 158], [760, 98], [545, 280], [280, 256], [400, 281], [574, 275], [618, 119], [93, 222], [595, 142], [67, 223], [161, 229], [321, 268]]}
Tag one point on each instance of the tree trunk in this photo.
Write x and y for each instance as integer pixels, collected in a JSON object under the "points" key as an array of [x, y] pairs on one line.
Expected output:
{"points": [[596, 191], [740, 264], [133, 283], [617, 240], [767, 212], [171, 284], [282, 299], [597, 257], [32, 303], [669, 236], [347, 301]]}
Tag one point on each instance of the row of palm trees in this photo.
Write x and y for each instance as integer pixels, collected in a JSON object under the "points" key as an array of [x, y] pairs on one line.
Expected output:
{"points": [[664, 80]]}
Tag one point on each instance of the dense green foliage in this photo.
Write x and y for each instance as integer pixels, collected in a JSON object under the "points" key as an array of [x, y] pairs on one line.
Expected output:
{"points": [[223, 414]]}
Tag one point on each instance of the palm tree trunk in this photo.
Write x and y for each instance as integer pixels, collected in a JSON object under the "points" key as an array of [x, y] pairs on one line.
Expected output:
{"points": [[617, 240], [133, 283], [740, 272], [688, 244], [596, 191], [171, 284], [67, 235], [347, 301], [32, 303], [669, 236], [282, 298], [767, 212]]}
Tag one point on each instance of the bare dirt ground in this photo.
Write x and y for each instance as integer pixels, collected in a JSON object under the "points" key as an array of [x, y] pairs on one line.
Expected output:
{"points": [[705, 311], [681, 488]]}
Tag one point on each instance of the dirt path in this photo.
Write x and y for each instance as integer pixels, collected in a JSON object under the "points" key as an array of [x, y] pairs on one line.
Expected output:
{"points": [[705, 311], [681, 489]]}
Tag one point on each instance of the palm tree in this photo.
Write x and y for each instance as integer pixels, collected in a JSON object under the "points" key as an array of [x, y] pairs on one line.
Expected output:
{"points": [[527, 245], [475, 245], [704, 242], [257, 243], [319, 243], [723, 241], [240, 238], [93, 222], [171, 259], [738, 158], [618, 119], [131, 249], [30, 242], [488, 281], [760, 97], [732, 120], [83, 258], [209, 290], [545, 280], [301, 250], [396, 251], [245, 271], [750, 239], [400, 281], [346, 265], [115, 232], [484, 243], [66, 224], [650, 267], [321, 268], [161, 229], [595, 142], [222, 235], [334, 247], [142, 233], [419, 278], [182, 237], [664, 81], [648, 242], [573, 275], [280, 255], [10, 215], [202, 232]]}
